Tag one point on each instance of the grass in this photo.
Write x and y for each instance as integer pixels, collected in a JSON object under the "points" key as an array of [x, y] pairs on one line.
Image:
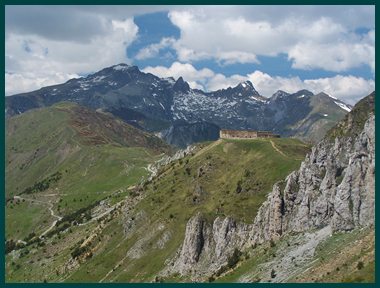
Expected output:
{"points": [[24, 218], [45, 141], [209, 183]]}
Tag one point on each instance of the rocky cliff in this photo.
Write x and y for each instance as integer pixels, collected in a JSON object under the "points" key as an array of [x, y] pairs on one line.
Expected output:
{"points": [[208, 245], [333, 187]]}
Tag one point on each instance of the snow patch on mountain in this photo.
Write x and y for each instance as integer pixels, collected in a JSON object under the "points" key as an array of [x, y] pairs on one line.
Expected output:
{"points": [[120, 67], [343, 106]]}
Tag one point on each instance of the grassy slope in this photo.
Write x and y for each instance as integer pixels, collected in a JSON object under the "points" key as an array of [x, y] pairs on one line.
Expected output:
{"points": [[96, 154], [169, 202]]}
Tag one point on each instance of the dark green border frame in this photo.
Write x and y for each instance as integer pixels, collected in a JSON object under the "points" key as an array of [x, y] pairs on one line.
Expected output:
{"points": [[172, 2]]}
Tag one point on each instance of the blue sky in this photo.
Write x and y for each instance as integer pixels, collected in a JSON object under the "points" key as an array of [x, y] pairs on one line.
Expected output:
{"points": [[320, 48]]}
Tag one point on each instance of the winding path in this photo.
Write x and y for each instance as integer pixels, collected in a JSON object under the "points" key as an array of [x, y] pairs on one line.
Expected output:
{"points": [[50, 208]]}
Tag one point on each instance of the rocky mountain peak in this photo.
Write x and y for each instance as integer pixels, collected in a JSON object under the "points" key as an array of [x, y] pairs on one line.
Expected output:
{"points": [[246, 84], [323, 94], [181, 85], [304, 92], [279, 94], [121, 67], [245, 89]]}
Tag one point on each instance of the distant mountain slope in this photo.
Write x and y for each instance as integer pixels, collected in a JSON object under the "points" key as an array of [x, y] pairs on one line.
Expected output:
{"points": [[182, 134], [353, 122], [154, 103], [74, 154]]}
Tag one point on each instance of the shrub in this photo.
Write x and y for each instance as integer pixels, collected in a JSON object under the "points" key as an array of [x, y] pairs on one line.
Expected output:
{"points": [[273, 274], [360, 265], [188, 170], [9, 246], [234, 259], [271, 243], [238, 187]]}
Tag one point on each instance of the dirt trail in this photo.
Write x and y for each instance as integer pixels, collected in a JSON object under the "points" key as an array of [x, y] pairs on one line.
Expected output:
{"points": [[113, 269], [207, 148], [278, 150]]}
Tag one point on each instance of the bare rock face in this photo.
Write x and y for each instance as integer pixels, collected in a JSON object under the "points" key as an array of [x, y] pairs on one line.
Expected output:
{"points": [[334, 186], [355, 196], [207, 246], [268, 222], [193, 243]]}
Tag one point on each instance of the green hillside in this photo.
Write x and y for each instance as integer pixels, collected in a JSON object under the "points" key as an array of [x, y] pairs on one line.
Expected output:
{"points": [[207, 181], [65, 158], [226, 177]]}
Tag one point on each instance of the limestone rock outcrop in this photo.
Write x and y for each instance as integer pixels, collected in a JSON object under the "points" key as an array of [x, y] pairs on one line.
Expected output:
{"points": [[207, 246], [334, 186]]}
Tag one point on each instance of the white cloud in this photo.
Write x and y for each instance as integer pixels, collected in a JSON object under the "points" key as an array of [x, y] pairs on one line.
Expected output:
{"points": [[318, 41], [231, 57], [219, 81], [337, 57], [153, 50], [30, 57], [347, 88], [18, 83], [196, 78]]}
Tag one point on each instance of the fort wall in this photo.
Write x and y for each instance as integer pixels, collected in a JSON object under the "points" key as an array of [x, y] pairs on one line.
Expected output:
{"points": [[246, 134]]}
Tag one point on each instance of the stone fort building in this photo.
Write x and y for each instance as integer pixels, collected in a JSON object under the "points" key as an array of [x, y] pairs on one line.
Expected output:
{"points": [[246, 134]]}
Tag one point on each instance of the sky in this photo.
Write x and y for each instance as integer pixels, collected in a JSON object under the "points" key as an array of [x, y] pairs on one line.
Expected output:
{"points": [[319, 48]]}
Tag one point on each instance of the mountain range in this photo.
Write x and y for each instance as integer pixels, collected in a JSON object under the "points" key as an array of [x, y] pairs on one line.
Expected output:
{"points": [[167, 106]]}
